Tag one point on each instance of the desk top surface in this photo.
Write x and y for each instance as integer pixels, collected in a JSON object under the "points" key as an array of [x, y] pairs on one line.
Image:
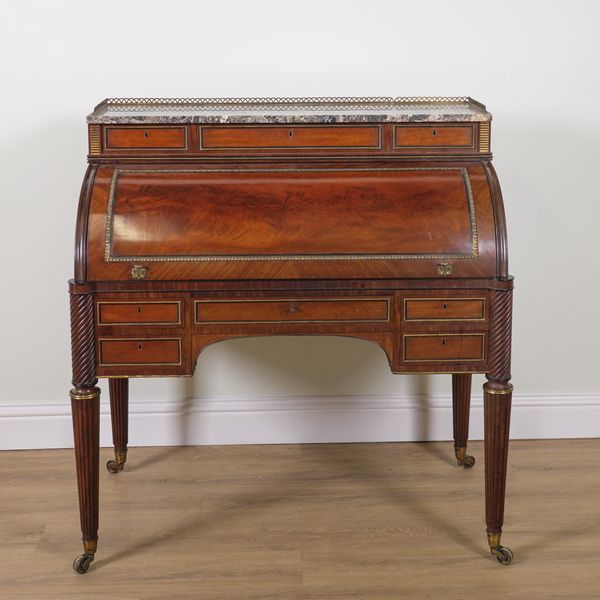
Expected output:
{"points": [[288, 110]]}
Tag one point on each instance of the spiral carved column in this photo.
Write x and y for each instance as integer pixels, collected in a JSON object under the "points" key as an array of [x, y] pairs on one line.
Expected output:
{"points": [[497, 399], [85, 410]]}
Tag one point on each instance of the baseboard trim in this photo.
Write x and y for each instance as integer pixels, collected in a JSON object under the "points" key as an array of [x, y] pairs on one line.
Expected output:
{"points": [[300, 420]]}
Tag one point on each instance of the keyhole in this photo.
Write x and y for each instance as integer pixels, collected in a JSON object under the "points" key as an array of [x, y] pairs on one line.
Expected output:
{"points": [[139, 346], [290, 133], [444, 306], [443, 342], [140, 309], [434, 132], [145, 134]]}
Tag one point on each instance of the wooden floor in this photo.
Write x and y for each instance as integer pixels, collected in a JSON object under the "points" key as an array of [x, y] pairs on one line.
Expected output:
{"points": [[344, 521]]}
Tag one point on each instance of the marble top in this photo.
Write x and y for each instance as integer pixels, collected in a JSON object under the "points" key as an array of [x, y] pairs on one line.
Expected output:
{"points": [[287, 110]]}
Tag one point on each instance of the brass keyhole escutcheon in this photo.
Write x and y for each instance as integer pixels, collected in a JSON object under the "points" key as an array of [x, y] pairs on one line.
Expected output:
{"points": [[139, 346], [291, 133], [293, 308], [146, 134], [434, 132], [443, 342], [444, 306], [139, 309]]}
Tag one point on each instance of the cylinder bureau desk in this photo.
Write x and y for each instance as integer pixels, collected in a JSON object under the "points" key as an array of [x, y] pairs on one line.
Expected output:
{"points": [[203, 220]]}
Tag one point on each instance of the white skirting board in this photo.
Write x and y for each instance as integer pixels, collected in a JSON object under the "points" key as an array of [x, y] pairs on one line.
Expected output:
{"points": [[290, 420]]}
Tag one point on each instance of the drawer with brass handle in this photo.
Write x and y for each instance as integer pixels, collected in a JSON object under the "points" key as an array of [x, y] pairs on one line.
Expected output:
{"points": [[292, 310]]}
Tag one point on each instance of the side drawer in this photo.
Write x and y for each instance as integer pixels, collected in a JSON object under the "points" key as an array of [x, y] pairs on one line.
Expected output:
{"points": [[439, 348], [145, 138], [294, 136], [139, 351], [434, 136], [302, 310], [444, 309], [139, 313]]}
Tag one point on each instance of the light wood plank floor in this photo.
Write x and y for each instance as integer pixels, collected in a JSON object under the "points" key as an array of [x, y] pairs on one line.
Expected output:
{"points": [[318, 522]]}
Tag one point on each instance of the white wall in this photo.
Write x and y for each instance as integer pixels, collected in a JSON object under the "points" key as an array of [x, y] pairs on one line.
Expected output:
{"points": [[534, 64]]}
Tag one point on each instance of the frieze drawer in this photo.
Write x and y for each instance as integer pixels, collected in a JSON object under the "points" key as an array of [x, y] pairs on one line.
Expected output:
{"points": [[142, 351], [439, 348], [139, 313], [145, 138], [295, 136], [436, 136], [444, 309], [292, 310]]}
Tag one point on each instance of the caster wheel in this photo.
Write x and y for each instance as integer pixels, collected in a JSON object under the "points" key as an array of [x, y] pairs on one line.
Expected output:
{"points": [[503, 554], [82, 563], [114, 467], [468, 461]]}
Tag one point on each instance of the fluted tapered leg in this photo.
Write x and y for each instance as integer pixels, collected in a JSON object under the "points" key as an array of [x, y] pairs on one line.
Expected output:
{"points": [[119, 413], [497, 404], [461, 407], [497, 398], [85, 410]]}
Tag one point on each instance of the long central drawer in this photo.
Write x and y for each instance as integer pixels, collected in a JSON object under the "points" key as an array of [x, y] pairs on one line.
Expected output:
{"points": [[302, 310]]}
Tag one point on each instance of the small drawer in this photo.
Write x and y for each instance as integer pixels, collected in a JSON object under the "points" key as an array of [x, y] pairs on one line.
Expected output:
{"points": [[139, 313], [427, 136], [265, 138], [451, 347], [144, 351], [292, 310], [444, 309], [145, 138]]}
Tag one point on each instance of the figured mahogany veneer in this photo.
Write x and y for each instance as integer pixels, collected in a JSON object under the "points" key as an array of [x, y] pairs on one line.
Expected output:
{"points": [[207, 220], [444, 309], [139, 313], [443, 347], [437, 136], [139, 351], [299, 137], [299, 310], [146, 138]]}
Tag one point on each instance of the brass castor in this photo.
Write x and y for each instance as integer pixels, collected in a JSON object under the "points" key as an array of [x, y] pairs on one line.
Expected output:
{"points": [[118, 463], [114, 467], [82, 563], [463, 459], [503, 554]]}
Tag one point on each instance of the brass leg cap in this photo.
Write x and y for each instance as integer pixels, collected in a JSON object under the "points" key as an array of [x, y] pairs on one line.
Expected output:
{"points": [[503, 554]]}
